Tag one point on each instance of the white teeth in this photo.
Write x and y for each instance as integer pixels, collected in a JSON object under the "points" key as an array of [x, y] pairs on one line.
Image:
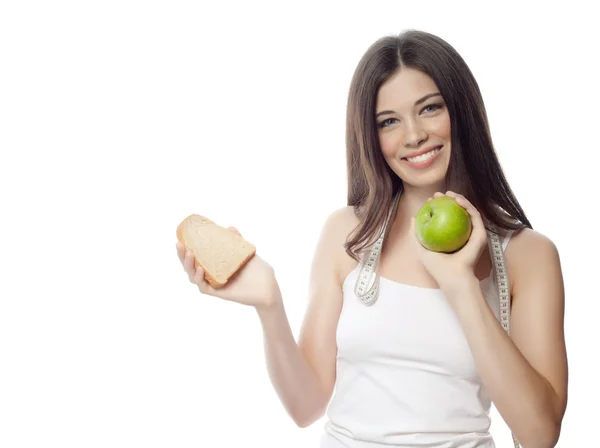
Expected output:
{"points": [[423, 157]]}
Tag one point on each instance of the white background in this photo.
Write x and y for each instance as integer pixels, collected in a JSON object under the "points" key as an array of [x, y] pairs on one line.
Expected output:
{"points": [[120, 118]]}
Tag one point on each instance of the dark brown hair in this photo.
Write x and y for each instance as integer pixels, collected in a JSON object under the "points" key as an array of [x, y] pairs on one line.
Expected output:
{"points": [[474, 170]]}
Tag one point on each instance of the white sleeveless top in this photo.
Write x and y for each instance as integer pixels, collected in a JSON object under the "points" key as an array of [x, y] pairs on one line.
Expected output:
{"points": [[405, 373]]}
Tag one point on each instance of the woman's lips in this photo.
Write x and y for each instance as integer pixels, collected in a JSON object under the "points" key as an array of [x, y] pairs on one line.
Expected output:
{"points": [[424, 163]]}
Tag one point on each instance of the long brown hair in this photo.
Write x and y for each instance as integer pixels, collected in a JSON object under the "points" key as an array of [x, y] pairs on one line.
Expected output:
{"points": [[474, 170]]}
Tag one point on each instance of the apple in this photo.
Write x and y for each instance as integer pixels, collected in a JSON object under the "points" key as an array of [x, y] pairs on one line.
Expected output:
{"points": [[442, 225]]}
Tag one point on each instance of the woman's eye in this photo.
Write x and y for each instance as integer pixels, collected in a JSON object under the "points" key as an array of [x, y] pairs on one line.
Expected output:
{"points": [[386, 123], [429, 108], [434, 106]]}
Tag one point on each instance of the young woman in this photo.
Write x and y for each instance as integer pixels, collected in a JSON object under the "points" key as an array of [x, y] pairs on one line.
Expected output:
{"points": [[420, 365]]}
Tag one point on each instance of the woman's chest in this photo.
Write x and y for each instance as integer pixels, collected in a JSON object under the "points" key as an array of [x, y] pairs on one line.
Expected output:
{"points": [[406, 326], [399, 262]]}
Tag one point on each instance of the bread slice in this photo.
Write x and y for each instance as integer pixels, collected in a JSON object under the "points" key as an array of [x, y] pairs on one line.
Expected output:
{"points": [[219, 251]]}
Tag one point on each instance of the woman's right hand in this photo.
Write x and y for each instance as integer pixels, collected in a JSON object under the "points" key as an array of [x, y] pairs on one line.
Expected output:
{"points": [[253, 285]]}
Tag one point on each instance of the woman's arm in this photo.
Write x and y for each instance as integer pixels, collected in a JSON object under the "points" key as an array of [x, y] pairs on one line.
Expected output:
{"points": [[526, 373], [303, 373]]}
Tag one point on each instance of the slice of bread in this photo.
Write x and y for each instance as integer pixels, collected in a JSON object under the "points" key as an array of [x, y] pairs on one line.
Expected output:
{"points": [[219, 251]]}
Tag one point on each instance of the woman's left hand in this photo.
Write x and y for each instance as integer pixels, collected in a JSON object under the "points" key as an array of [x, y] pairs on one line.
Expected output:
{"points": [[452, 270]]}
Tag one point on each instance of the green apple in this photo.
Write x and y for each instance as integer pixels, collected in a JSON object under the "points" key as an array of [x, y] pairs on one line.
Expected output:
{"points": [[442, 225]]}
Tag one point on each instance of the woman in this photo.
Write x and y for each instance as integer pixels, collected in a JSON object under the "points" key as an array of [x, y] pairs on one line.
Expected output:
{"points": [[420, 365]]}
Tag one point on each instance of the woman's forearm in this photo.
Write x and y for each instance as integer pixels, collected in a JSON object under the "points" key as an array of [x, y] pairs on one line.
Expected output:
{"points": [[521, 395], [295, 382]]}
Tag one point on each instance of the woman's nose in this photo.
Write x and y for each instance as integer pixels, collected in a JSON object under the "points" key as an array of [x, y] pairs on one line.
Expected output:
{"points": [[414, 135]]}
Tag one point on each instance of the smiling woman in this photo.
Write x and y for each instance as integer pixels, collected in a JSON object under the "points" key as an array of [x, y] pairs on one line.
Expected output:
{"points": [[425, 365], [425, 117], [416, 111], [418, 359]]}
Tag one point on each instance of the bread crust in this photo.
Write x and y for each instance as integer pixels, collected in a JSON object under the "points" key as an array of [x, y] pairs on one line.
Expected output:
{"points": [[208, 276]]}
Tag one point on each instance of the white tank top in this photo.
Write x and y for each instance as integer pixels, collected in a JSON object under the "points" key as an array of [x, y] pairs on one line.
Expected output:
{"points": [[405, 373]]}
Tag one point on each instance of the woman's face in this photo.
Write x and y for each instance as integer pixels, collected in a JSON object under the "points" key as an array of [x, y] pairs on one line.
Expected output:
{"points": [[413, 121]]}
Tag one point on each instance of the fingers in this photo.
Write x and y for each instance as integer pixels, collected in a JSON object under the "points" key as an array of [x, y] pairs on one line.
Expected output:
{"points": [[188, 261], [180, 251], [454, 195], [199, 280], [195, 273], [189, 265], [186, 257], [464, 203], [478, 231], [437, 194], [460, 199]]}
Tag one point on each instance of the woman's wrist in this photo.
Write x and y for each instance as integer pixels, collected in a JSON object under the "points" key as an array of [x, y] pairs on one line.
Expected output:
{"points": [[460, 285], [272, 304]]}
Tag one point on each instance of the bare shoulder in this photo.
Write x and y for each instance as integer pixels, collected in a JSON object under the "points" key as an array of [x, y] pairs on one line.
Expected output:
{"points": [[528, 244], [528, 252], [344, 217], [341, 223]]}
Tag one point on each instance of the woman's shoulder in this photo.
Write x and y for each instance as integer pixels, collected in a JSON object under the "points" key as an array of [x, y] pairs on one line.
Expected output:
{"points": [[525, 241], [342, 219], [527, 252], [339, 225]]}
